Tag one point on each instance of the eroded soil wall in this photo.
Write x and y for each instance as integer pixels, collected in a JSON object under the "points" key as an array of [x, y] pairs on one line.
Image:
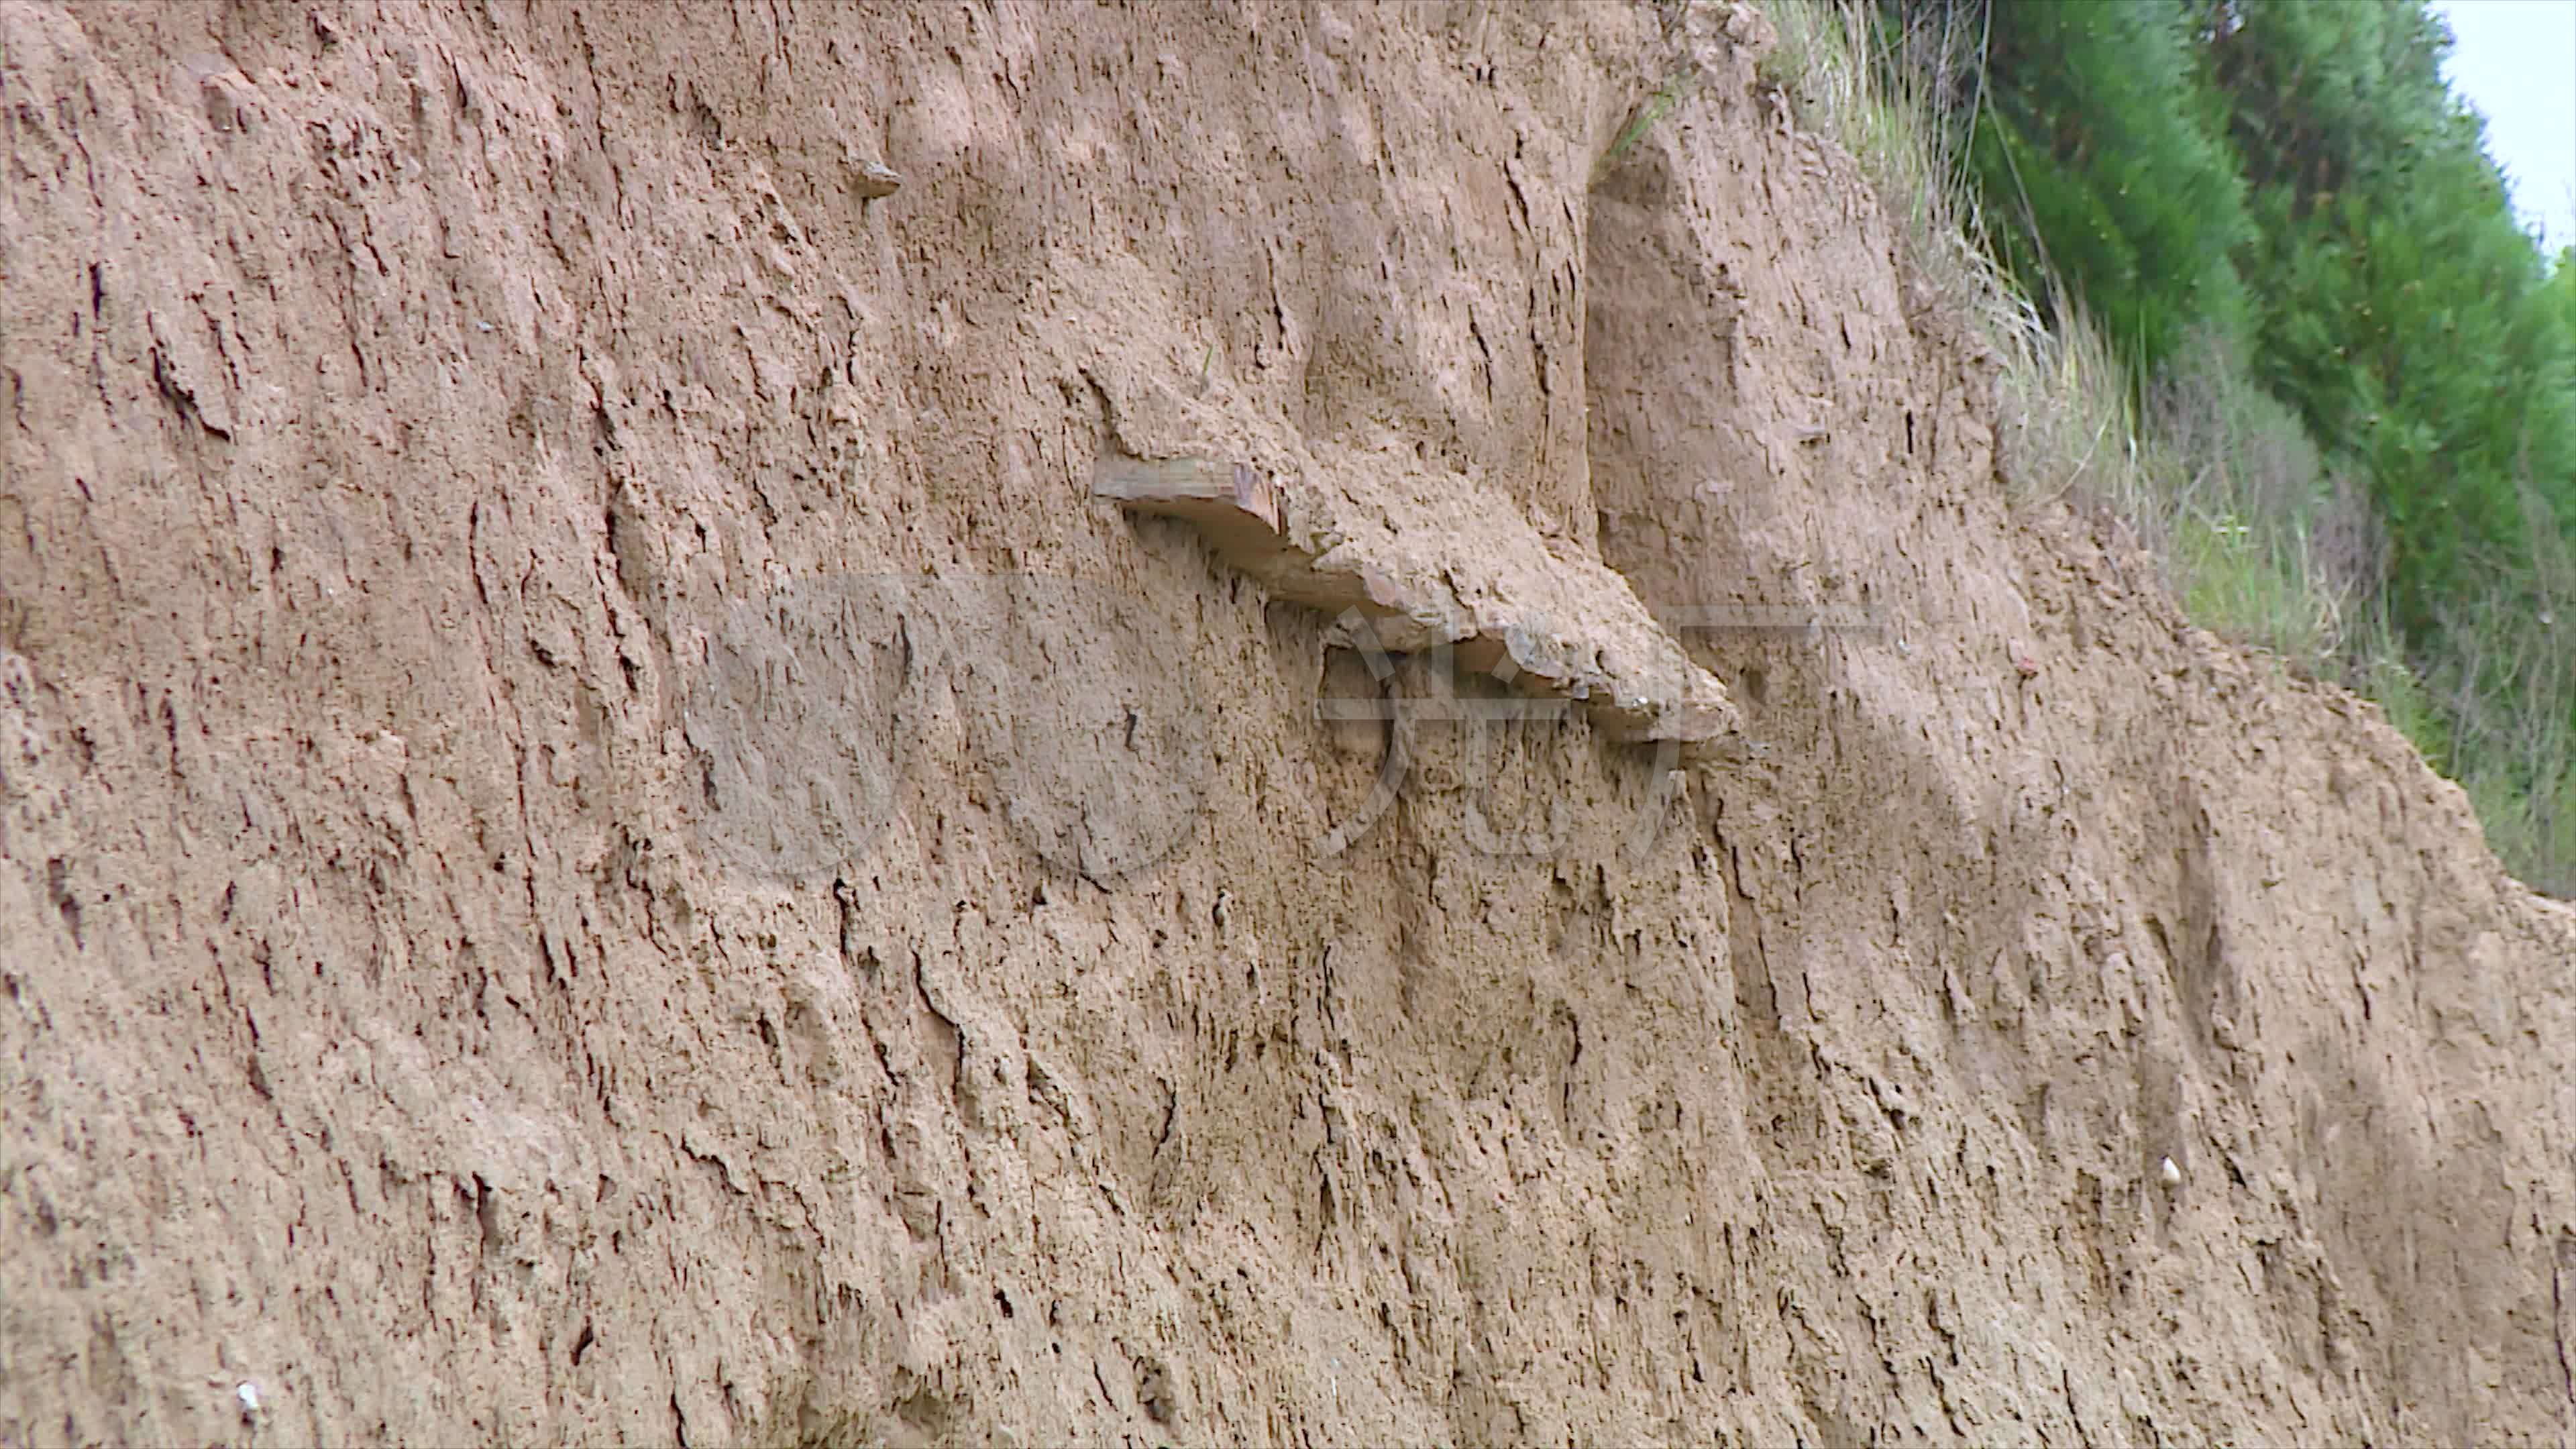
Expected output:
{"points": [[599, 839]]}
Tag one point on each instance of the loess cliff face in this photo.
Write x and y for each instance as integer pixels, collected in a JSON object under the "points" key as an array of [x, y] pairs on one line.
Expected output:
{"points": [[600, 837]]}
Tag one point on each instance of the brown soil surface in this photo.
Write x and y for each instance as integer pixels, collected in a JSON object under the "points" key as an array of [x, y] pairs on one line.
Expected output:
{"points": [[601, 840]]}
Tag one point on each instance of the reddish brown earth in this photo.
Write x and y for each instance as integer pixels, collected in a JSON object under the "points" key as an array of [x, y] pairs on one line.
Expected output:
{"points": [[600, 839]]}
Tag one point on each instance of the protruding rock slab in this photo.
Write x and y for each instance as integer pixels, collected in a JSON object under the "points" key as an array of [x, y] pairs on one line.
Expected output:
{"points": [[1494, 591], [1191, 488]]}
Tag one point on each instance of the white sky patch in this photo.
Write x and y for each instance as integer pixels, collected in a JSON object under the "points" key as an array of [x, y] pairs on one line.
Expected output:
{"points": [[2516, 62]]}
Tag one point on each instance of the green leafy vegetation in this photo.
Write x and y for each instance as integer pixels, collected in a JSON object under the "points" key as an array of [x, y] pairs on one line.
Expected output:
{"points": [[2103, 169], [2261, 295]]}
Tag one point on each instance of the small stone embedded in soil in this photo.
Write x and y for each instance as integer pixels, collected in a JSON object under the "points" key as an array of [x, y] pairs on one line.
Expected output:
{"points": [[873, 179]]}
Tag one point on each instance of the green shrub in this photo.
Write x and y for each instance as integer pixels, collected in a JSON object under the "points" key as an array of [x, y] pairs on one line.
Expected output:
{"points": [[2293, 337], [2097, 153]]}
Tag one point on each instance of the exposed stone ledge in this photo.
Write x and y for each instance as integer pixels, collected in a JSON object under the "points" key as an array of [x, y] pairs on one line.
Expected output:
{"points": [[1428, 571]]}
